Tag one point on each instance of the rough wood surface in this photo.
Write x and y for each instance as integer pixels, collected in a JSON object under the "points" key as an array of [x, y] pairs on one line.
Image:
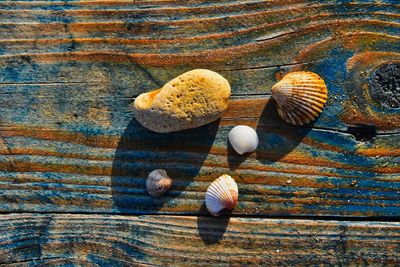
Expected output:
{"points": [[100, 240], [69, 71]]}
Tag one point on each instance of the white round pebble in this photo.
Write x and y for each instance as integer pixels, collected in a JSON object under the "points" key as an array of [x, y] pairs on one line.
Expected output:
{"points": [[243, 139]]}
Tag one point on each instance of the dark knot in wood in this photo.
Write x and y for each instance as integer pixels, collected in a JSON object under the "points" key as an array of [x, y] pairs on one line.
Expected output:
{"points": [[385, 86]]}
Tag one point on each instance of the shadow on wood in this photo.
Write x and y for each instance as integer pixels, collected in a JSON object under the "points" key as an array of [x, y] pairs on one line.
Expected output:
{"points": [[212, 229], [276, 141], [234, 158], [140, 151]]}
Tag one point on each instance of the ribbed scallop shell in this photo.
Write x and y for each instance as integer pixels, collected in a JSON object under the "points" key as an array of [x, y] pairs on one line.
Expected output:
{"points": [[300, 96], [222, 194], [158, 183]]}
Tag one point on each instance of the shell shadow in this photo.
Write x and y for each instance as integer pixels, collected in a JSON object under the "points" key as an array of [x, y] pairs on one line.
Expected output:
{"points": [[212, 229], [140, 151], [234, 158], [277, 138]]}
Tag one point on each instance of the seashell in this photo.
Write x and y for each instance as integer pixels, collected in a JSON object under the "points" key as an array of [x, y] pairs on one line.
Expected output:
{"points": [[243, 139], [158, 183], [300, 96], [222, 194], [190, 100]]}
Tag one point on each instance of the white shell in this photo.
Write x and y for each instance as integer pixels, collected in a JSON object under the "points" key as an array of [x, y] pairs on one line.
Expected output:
{"points": [[158, 183], [243, 139], [221, 194]]}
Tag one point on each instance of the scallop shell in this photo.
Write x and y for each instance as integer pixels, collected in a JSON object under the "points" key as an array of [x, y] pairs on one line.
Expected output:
{"points": [[158, 183], [243, 139], [300, 96], [222, 194]]}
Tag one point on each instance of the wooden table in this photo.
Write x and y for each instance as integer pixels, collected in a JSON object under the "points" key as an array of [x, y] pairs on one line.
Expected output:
{"points": [[73, 160]]}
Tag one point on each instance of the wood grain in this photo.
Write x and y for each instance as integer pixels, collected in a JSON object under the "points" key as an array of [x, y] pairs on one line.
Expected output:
{"points": [[95, 174], [100, 240], [70, 70]]}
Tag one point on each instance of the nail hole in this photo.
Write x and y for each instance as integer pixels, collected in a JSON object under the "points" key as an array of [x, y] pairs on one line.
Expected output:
{"points": [[363, 133]]}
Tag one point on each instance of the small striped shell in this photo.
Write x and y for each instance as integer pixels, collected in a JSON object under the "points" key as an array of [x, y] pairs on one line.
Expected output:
{"points": [[222, 194], [300, 96], [158, 183]]}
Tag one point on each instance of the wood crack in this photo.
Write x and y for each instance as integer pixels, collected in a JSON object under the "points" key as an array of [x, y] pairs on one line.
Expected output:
{"points": [[49, 83], [395, 218], [31, 260], [271, 66]]}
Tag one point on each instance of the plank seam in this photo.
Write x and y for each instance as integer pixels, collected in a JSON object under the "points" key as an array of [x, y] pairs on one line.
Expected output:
{"points": [[395, 218]]}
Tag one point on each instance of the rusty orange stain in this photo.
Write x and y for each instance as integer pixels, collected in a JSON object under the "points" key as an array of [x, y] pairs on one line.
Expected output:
{"points": [[369, 117], [371, 59]]}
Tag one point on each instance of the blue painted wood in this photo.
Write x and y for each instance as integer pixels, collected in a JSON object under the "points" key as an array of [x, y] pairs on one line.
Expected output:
{"points": [[101, 240], [70, 70]]}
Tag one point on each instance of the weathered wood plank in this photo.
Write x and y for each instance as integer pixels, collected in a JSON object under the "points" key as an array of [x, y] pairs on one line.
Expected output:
{"points": [[70, 69], [48, 170], [35, 240], [77, 42], [343, 42]]}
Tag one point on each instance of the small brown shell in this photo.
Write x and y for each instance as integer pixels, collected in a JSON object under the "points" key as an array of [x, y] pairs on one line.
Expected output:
{"points": [[300, 96], [158, 183]]}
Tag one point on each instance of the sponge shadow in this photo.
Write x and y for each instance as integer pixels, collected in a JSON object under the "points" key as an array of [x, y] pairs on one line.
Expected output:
{"points": [[140, 151]]}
